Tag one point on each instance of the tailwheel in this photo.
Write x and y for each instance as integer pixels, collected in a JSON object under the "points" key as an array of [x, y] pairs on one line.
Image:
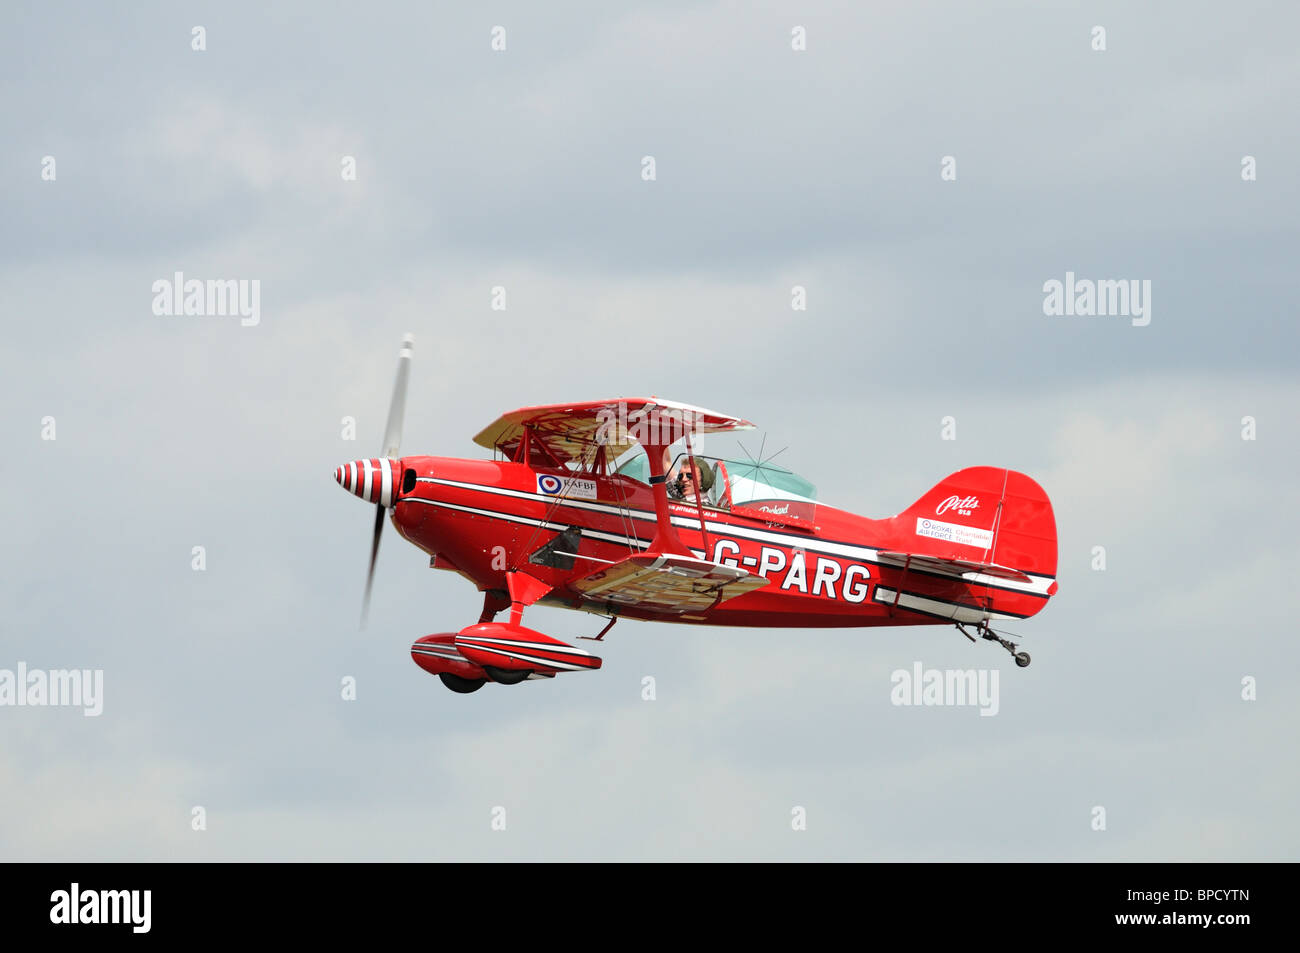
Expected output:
{"points": [[462, 686], [1022, 658]]}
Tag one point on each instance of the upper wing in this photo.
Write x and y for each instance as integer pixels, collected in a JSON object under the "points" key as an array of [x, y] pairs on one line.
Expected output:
{"points": [[571, 431], [670, 584]]}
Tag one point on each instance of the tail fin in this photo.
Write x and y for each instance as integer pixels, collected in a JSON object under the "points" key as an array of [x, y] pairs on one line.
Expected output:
{"points": [[986, 515]]}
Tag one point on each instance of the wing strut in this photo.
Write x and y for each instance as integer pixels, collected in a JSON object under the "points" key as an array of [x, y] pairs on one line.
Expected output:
{"points": [[695, 487], [666, 539]]}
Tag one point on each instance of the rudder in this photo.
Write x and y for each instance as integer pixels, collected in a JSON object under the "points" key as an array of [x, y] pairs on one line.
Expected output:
{"points": [[983, 514]]}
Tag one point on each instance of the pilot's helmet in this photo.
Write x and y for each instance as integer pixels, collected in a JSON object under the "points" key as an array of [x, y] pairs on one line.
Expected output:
{"points": [[703, 469]]}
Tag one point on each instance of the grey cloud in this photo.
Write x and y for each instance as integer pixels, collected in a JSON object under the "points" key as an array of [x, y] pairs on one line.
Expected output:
{"points": [[222, 687]]}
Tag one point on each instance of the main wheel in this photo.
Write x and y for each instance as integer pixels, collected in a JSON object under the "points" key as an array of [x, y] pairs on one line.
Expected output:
{"points": [[1022, 659], [505, 676], [462, 686]]}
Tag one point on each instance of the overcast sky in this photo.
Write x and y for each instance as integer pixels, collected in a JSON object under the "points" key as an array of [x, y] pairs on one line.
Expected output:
{"points": [[522, 168]]}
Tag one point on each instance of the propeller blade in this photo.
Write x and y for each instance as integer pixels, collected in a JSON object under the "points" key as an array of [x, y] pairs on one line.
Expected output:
{"points": [[392, 442], [374, 552], [397, 406]]}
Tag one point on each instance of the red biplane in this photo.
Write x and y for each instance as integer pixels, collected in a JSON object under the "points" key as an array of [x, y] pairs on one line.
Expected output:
{"points": [[587, 506]]}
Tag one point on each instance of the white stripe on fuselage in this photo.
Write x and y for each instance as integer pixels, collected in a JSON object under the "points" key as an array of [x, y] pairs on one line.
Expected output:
{"points": [[1037, 586], [529, 521]]}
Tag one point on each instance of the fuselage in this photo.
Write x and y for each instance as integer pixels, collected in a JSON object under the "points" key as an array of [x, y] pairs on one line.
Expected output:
{"points": [[484, 518]]}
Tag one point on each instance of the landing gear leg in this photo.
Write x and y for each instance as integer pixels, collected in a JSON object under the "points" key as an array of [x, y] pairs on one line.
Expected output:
{"points": [[494, 601], [1022, 658], [601, 637]]}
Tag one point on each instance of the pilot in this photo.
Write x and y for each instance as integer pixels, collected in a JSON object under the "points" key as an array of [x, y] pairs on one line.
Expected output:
{"points": [[690, 480]]}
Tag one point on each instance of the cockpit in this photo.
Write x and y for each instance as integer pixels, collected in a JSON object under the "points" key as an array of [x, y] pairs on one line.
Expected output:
{"points": [[759, 490]]}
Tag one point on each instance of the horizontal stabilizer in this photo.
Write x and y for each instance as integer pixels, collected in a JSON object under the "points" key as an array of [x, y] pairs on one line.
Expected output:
{"points": [[950, 566]]}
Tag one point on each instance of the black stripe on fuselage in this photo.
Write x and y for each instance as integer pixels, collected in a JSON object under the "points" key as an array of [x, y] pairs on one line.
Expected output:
{"points": [[649, 516], [718, 527]]}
